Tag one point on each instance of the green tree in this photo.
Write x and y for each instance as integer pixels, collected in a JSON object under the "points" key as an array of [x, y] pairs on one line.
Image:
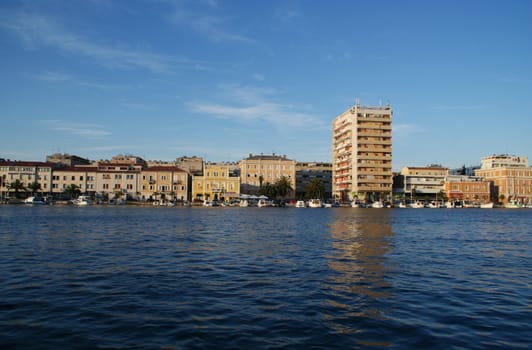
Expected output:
{"points": [[72, 191], [284, 186], [34, 187], [17, 186], [268, 190], [315, 189]]}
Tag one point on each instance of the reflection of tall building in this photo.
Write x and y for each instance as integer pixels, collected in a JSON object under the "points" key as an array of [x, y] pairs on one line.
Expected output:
{"points": [[360, 243]]}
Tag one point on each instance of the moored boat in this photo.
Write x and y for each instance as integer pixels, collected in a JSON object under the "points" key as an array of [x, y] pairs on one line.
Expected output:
{"points": [[35, 200], [82, 201], [486, 205], [314, 203], [301, 204]]}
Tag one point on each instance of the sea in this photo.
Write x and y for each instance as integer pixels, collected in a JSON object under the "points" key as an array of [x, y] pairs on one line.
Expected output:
{"points": [[127, 277]]}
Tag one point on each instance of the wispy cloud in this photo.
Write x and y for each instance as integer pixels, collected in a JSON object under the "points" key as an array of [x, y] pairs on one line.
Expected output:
{"points": [[459, 107], [60, 77], [37, 30], [85, 130], [403, 130], [253, 105], [214, 27]]}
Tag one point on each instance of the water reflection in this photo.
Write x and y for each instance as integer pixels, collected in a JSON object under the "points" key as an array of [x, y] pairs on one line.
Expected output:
{"points": [[357, 285]]}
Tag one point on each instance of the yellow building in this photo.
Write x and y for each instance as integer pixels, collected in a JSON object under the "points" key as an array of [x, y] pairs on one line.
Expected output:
{"points": [[163, 183], [219, 181], [511, 178], [256, 170], [362, 153]]}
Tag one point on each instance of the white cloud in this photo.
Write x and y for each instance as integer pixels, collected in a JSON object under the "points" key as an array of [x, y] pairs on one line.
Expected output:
{"points": [[37, 30], [256, 105], [85, 130]]}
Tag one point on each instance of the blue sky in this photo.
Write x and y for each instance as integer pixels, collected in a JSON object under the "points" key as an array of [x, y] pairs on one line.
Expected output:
{"points": [[222, 79]]}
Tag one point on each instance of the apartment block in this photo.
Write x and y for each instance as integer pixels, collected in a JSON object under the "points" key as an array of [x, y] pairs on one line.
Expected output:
{"points": [[163, 183], [362, 154], [424, 181], [26, 173]]}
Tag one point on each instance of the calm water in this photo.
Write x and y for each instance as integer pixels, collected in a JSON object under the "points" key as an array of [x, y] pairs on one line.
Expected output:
{"points": [[250, 278]]}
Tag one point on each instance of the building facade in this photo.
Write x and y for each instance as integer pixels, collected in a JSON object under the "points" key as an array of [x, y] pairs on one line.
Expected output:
{"points": [[257, 170], [219, 182], [362, 154], [510, 177], [27, 174], [423, 182], [167, 183], [308, 171], [469, 189]]}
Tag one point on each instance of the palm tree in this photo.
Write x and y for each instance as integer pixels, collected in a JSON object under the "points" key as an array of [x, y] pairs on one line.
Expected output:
{"points": [[315, 189], [72, 191], [268, 190], [284, 186], [17, 186], [34, 187]]}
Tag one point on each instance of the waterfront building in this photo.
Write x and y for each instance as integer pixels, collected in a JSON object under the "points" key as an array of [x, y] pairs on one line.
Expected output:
{"points": [[470, 189], [362, 153], [163, 183], [510, 176], [424, 182], [83, 177], [27, 173], [308, 171], [257, 170], [219, 181]]}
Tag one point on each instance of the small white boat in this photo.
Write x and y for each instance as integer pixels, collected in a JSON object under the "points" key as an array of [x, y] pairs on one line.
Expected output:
{"points": [[243, 203], [488, 205], [35, 200], [263, 203], [377, 205], [356, 204], [82, 201], [314, 203], [301, 204]]}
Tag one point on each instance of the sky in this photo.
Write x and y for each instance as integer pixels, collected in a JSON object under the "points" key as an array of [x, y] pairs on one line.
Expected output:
{"points": [[162, 79]]}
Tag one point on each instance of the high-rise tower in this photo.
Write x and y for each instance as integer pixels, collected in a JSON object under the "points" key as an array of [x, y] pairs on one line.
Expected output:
{"points": [[362, 154]]}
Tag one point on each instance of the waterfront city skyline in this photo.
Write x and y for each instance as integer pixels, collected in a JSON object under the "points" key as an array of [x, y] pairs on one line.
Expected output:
{"points": [[222, 79]]}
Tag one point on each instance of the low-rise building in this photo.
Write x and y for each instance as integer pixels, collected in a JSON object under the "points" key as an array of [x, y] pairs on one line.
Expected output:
{"points": [[219, 181], [28, 174], [309, 171], [163, 183], [423, 182], [470, 189], [511, 178], [257, 170]]}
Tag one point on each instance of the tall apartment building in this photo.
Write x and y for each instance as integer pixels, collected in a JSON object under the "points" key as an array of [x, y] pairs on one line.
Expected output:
{"points": [[362, 153], [511, 178], [261, 169]]}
